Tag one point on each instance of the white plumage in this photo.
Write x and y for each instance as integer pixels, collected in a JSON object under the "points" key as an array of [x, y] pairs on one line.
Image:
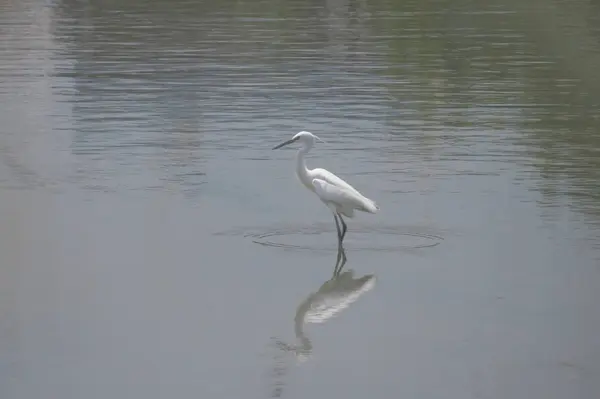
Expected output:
{"points": [[340, 197]]}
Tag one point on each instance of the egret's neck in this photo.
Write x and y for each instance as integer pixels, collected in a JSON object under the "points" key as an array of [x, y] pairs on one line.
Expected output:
{"points": [[302, 170]]}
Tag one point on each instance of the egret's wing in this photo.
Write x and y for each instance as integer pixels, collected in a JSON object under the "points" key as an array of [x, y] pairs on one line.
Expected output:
{"points": [[332, 179], [344, 197]]}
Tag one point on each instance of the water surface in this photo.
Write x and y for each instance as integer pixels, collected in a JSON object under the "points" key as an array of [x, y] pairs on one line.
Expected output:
{"points": [[137, 182]]}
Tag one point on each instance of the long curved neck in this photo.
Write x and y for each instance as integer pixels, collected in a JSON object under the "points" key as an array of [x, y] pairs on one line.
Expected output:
{"points": [[302, 170]]}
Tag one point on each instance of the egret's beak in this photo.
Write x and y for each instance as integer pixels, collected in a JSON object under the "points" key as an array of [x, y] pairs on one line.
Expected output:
{"points": [[284, 144]]}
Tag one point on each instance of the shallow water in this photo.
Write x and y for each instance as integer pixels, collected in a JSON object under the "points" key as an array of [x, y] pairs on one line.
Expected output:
{"points": [[152, 244]]}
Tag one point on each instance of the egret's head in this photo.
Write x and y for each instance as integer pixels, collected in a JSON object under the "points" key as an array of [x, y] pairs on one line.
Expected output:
{"points": [[305, 138]]}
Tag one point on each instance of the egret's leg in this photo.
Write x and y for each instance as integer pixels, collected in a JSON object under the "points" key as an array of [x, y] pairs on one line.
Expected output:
{"points": [[344, 227], [341, 260], [337, 226], [337, 261], [340, 250]]}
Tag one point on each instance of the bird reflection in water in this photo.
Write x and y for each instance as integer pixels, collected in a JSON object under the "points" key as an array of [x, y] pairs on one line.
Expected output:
{"points": [[333, 296]]}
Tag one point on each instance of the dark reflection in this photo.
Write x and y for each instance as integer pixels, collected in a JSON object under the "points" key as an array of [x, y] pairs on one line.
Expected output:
{"points": [[156, 89], [332, 297]]}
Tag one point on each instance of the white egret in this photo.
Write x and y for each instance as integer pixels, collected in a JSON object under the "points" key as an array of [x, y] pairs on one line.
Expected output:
{"points": [[340, 197]]}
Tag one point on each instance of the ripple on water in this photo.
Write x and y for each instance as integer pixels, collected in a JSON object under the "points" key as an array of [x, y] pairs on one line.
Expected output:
{"points": [[359, 237]]}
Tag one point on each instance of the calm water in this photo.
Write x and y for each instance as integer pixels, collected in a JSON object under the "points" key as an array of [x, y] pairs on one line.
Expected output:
{"points": [[137, 180]]}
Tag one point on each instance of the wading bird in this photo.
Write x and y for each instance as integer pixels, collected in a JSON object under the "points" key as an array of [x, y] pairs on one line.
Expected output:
{"points": [[340, 197]]}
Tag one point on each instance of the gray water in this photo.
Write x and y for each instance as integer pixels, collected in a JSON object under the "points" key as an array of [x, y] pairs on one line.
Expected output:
{"points": [[137, 184]]}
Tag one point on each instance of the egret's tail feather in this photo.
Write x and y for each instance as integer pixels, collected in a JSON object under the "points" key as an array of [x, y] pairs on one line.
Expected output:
{"points": [[371, 206]]}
